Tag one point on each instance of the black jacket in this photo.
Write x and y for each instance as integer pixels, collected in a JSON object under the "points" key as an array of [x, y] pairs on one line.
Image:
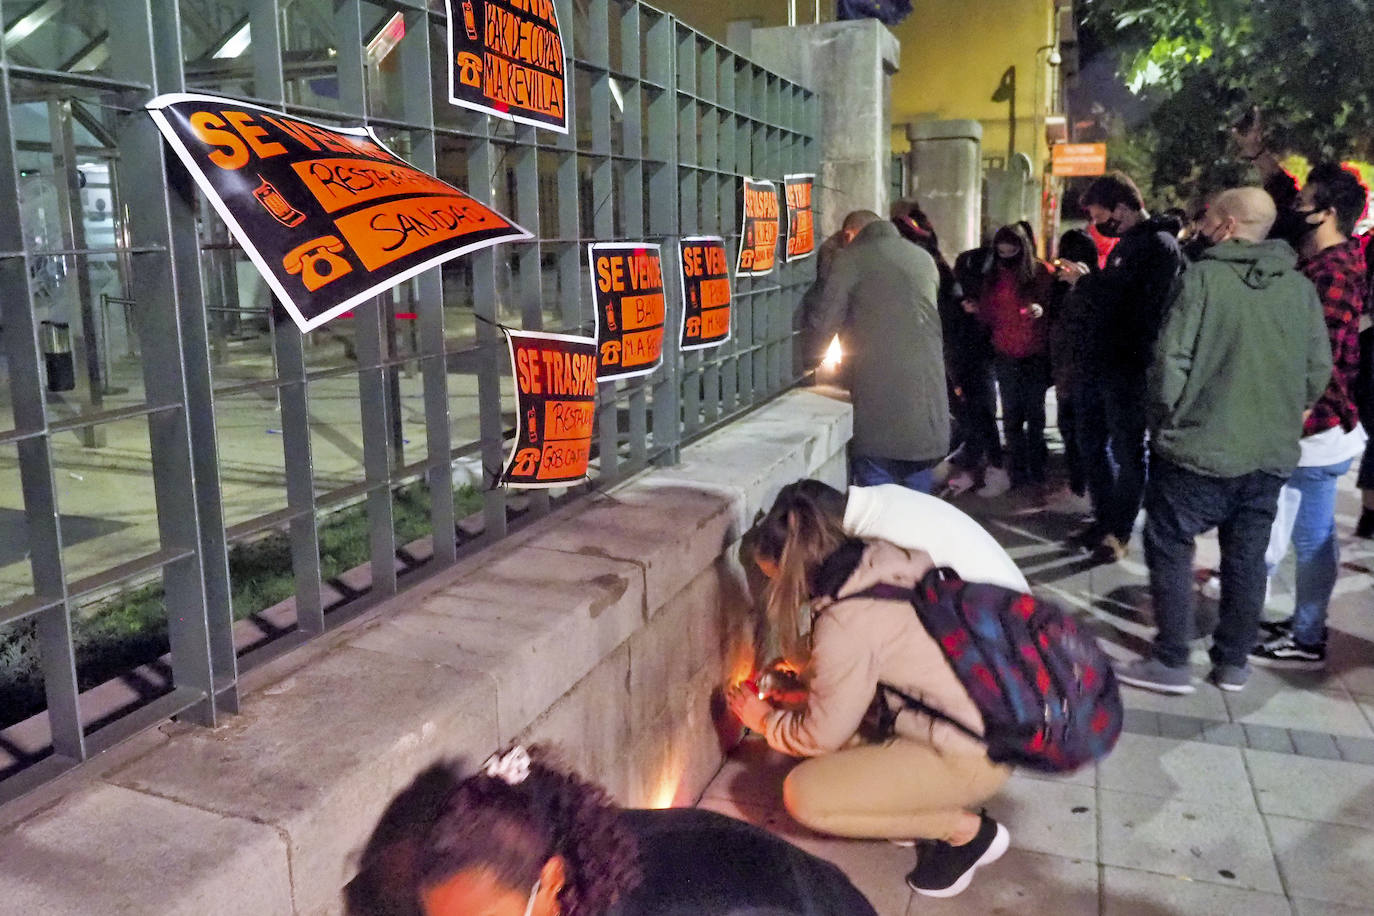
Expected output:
{"points": [[1126, 300], [699, 863]]}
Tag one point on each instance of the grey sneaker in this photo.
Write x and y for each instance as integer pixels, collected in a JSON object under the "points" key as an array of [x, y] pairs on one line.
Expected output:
{"points": [[1230, 677], [1153, 674]]}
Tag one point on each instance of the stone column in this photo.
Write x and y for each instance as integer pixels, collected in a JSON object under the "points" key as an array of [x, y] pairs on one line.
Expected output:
{"points": [[849, 65], [946, 170]]}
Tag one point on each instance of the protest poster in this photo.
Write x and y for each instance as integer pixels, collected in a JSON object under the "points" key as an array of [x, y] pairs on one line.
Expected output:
{"points": [[801, 229], [329, 216], [555, 390], [505, 58], [627, 294], [758, 244], [705, 291]]}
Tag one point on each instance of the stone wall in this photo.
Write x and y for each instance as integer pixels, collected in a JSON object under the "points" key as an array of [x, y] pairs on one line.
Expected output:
{"points": [[604, 629]]}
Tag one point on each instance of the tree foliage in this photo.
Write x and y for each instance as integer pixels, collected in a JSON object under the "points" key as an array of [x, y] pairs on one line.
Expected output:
{"points": [[1200, 64]]}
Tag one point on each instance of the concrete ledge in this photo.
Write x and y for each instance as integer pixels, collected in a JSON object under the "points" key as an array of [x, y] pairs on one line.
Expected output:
{"points": [[604, 628]]}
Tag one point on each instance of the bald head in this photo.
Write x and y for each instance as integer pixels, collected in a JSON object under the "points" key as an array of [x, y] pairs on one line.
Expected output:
{"points": [[1250, 211], [855, 222]]}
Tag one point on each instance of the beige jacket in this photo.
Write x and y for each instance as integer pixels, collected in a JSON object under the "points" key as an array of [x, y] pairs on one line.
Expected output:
{"points": [[857, 643]]}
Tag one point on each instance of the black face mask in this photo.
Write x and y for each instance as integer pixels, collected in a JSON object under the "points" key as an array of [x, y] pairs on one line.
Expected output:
{"points": [[1110, 227], [1196, 245], [1294, 225]]}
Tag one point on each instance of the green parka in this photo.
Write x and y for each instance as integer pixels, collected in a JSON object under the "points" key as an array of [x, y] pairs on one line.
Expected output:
{"points": [[1242, 353]]}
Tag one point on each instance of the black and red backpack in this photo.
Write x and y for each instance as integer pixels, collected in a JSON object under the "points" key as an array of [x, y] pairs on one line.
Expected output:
{"points": [[1045, 689]]}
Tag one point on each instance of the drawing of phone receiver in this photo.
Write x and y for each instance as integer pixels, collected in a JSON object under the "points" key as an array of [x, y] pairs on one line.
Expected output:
{"points": [[317, 261], [610, 353]]}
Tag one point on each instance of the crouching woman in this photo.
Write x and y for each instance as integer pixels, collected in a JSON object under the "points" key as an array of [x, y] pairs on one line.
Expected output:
{"points": [[917, 777]]}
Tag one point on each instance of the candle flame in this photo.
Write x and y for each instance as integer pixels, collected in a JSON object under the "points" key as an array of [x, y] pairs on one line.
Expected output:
{"points": [[833, 354]]}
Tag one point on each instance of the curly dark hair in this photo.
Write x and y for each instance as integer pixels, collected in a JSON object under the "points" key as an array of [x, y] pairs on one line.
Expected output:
{"points": [[513, 830]]}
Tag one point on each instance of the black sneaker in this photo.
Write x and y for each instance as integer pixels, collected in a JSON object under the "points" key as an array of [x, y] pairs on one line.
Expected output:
{"points": [[943, 870], [1364, 528], [1272, 629], [1286, 652]]}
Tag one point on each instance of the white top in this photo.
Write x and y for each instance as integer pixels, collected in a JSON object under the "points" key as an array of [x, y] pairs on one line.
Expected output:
{"points": [[917, 521], [1332, 446]]}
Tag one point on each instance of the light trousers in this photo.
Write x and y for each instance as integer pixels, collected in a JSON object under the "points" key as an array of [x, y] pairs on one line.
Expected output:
{"points": [[898, 790]]}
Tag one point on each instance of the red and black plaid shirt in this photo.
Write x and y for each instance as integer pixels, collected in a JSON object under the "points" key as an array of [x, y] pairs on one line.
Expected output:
{"points": [[1339, 275]]}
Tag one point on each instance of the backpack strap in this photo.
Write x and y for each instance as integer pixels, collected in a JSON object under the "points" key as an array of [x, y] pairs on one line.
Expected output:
{"points": [[885, 591], [888, 722]]}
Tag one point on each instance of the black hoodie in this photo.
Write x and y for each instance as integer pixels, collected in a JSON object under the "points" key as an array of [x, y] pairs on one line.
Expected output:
{"points": [[1127, 299]]}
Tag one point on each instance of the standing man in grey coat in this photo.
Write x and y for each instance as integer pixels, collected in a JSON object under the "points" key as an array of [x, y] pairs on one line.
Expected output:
{"points": [[879, 295]]}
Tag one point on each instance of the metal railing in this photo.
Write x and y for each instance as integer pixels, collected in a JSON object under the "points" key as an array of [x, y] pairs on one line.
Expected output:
{"points": [[229, 432]]}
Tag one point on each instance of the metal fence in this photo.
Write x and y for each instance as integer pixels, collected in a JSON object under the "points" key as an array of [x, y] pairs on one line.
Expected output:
{"points": [[192, 443]]}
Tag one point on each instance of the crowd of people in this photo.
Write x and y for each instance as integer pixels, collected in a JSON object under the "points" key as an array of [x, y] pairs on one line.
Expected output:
{"points": [[1172, 394], [1211, 371]]}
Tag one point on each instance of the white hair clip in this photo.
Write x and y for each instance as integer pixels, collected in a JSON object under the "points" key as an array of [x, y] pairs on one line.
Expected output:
{"points": [[512, 768]]}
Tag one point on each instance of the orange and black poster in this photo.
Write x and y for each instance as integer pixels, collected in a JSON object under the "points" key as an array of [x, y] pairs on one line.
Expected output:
{"points": [[627, 294], [555, 390], [505, 58], [329, 216], [801, 230], [758, 244], [705, 292]]}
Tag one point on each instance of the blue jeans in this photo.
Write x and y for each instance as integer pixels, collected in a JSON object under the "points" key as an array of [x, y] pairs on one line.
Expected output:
{"points": [[872, 472], [1179, 506], [1307, 517]]}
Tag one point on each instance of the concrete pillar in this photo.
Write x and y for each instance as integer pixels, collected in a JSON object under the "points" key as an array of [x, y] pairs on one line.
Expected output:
{"points": [[946, 169], [1011, 194], [849, 65]]}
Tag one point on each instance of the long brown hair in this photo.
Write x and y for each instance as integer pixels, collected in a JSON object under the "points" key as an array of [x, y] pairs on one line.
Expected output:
{"points": [[1024, 266], [803, 528]]}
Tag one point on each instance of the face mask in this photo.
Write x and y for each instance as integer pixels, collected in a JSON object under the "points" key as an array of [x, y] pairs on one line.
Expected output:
{"points": [[534, 892], [1196, 245], [1293, 226], [1110, 227]]}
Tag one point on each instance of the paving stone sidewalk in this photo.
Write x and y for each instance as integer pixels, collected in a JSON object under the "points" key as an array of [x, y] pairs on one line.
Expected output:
{"points": [[1251, 803]]}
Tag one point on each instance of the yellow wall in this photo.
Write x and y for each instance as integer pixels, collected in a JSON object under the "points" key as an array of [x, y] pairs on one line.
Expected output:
{"points": [[953, 56]]}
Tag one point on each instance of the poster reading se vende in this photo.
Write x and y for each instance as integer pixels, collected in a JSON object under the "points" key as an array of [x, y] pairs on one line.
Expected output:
{"points": [[705, 291], [505, 58], [555, 388], [329, 216], [627, 294]]}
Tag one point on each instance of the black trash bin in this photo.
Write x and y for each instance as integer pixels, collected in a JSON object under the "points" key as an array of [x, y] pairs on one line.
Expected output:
{"points": [[56, 339]]}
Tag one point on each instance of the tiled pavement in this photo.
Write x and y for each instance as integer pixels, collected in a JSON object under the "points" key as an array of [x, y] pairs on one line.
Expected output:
{"points": [[1254, 803]]}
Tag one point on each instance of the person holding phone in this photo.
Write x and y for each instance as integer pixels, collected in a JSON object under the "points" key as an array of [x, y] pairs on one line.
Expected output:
{"points": [[1015, 292]]}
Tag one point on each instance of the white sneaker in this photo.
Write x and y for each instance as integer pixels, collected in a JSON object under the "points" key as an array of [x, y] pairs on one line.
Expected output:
{"points": [[995, 482]]}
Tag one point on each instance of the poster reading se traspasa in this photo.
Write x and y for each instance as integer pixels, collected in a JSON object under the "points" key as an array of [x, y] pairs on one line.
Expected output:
{"points": [[555, 388], [627, 293], [328, 215], [801, 227], [758, 243], [505, 58]]}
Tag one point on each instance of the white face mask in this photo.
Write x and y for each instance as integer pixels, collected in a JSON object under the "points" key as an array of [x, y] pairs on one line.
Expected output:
{"points": [[534, 892]]}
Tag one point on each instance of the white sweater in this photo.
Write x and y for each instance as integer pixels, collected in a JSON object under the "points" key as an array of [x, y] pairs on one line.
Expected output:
{"points": [[917, 521]]}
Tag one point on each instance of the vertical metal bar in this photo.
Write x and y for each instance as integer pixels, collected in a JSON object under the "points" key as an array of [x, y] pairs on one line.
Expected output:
{"points": [[418, 108], [28, 400], [303, 532], [265, 25], [176, 370], [663, 212], [481, 165], [374, 408], [351, 69]]}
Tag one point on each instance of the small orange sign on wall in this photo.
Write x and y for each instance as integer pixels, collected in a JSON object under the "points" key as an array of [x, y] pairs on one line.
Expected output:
{"points": [[1076, 159]]}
